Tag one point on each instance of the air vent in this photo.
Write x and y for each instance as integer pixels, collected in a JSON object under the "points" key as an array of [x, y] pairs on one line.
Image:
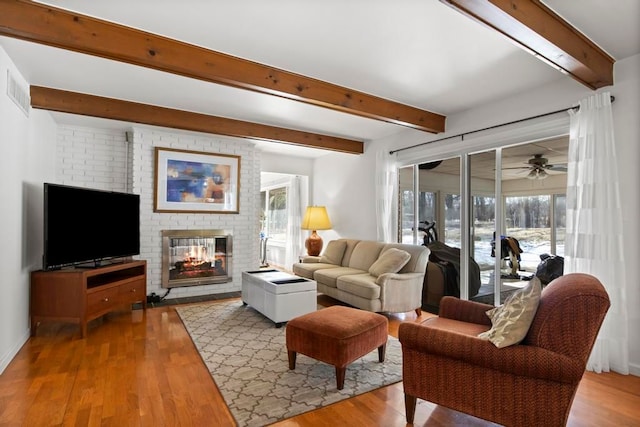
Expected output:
{"points": [[18, 94]]}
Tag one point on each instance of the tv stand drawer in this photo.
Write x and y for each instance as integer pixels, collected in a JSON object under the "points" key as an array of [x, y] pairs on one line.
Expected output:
{"points": [[135, 291], [101, 302]]}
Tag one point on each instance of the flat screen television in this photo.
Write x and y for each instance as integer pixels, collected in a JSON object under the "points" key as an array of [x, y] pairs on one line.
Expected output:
{"points": [[84, 227]]}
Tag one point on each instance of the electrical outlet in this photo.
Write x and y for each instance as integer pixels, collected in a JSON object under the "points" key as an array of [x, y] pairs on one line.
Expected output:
{"points": [[153, 298]]}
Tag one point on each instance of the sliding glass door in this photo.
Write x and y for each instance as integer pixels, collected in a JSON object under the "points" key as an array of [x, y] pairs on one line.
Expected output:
{"points": [[463, 202]]}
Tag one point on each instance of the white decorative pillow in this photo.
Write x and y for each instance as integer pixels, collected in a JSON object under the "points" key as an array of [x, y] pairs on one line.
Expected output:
{"points": [[391, 261], [511, 320], [334, 252]]}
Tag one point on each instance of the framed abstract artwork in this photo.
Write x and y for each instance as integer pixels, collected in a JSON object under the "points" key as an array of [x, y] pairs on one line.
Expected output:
{"points": [[196, 182]]}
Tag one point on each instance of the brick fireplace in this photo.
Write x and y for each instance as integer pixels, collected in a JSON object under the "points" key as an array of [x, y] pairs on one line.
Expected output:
{"points": [[196, 257]]}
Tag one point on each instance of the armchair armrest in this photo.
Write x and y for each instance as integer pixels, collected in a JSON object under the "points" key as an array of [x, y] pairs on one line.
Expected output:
{"points": [[464, 311], [517, 360]]}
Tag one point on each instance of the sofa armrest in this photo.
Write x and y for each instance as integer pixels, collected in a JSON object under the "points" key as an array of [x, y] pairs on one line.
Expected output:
{"points": [[464, 311], [310, 259], [400, 292], [517, 360], [387, 278]]}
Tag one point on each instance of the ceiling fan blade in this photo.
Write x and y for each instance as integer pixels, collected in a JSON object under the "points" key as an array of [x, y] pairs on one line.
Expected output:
{"points": [[429, 165], [558, 168]]}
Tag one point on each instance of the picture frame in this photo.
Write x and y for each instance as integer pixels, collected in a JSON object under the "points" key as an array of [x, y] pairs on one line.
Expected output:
{"points": [[196, 182]]}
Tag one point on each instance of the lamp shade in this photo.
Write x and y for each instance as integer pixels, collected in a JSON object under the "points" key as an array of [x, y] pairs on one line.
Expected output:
{"points": [[316, 218]]}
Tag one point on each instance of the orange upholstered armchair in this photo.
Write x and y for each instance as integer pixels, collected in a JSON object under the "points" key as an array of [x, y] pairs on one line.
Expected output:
{"points": [[532, 383]]}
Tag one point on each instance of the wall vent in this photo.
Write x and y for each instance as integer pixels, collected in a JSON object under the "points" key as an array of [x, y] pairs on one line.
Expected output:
{"points": [[18, 94]]}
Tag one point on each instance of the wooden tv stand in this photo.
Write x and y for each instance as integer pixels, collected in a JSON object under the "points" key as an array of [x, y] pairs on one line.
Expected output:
{"points": [[79, 295]]}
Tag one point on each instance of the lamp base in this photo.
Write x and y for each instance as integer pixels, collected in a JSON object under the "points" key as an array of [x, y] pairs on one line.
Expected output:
{"points": [[313, 244]]}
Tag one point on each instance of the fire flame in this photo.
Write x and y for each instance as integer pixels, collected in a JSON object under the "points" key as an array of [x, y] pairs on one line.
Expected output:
{"points": [[197, 255]]}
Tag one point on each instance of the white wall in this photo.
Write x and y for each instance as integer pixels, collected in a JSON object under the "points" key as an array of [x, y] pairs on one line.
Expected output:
{"points": [[277, 163], [346, 184], [626, 116], [28, 153]]}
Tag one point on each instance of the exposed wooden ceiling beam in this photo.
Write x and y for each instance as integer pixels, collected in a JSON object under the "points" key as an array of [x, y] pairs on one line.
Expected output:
{"points": [[72, 31], [97, 106], [542, 32]]}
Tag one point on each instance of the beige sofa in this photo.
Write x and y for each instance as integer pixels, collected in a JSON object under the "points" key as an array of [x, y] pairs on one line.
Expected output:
{"points": [[373, 276]]}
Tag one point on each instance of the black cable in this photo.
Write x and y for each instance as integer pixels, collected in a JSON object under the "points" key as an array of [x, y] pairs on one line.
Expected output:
{"points": [[165, 294]]}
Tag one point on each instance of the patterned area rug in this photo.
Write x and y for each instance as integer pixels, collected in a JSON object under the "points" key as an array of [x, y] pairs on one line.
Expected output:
{"points": [[247, 358]]}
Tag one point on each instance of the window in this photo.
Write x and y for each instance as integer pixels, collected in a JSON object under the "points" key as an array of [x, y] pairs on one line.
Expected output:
{"points": [[274, 213], [452, 219], [530, 219], [283, 198], [426, 215], [484, 224], [406, 216], [560, 224], [427, 210]]}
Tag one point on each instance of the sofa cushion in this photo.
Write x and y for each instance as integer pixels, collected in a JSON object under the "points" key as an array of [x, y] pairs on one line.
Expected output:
{"points": [[307, 269], [511, 320], [328, 276], [362, 285], [390, 261], [419, 257], [334, 252], [351, 245], [364, 254], [453, 325]]}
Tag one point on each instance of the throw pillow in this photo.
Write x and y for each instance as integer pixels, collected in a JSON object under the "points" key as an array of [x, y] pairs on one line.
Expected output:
{"points": [[511, 321], [391, 261], [334, 252]]}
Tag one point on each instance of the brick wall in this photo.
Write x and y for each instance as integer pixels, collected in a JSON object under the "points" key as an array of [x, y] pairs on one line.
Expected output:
{"points": [[111, 160], [92, 158]]}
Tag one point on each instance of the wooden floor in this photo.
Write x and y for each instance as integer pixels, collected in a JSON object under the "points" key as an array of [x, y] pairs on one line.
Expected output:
{"points": [[140, 368]]}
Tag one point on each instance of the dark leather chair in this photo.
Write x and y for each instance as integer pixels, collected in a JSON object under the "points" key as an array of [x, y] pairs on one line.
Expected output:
{"points": [[532, 383]]}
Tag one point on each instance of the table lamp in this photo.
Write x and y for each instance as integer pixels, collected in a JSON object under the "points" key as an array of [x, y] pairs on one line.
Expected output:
{"points": [[315, 218]]}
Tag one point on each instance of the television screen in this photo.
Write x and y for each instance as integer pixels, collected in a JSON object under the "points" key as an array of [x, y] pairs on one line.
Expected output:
{"points": [[83, 225]]}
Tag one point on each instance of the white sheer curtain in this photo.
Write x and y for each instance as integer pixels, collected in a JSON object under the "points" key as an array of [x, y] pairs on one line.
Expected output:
{"points": [[294, 215], [593, 242], [386, 190]]}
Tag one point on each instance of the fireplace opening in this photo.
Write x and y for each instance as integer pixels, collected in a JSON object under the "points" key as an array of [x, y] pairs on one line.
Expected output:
{"points": [[195, 257]]}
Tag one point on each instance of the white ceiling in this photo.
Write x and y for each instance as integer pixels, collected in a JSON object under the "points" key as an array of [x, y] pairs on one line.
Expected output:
{"points": [[417, 52]]}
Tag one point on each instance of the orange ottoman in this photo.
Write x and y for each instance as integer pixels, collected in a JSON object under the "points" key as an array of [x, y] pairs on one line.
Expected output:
{"points": [[338, 336]]}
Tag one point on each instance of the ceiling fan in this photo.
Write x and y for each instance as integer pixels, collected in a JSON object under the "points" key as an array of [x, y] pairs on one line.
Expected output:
{"points": [[538, 167]]}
